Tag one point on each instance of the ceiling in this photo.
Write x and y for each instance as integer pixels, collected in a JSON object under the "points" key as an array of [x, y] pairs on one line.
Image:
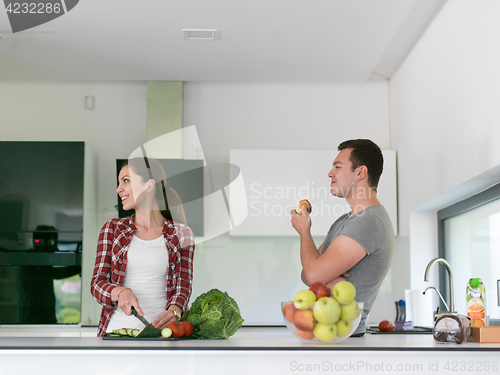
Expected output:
{"points": [[257, 40]]}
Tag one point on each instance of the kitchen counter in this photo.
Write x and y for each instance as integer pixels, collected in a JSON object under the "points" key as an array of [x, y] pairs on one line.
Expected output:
{"points": [[250, 350], [247, 338]]}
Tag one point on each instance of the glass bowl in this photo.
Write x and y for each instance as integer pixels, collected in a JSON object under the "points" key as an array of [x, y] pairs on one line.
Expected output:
{"points": [[308, 336]]}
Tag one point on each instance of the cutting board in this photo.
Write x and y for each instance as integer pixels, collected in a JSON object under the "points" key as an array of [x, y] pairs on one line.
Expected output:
{"points": [[109, 337]]}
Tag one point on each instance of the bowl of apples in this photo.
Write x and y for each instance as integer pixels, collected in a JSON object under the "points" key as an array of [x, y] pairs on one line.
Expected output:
{"points": [[319, 315]]}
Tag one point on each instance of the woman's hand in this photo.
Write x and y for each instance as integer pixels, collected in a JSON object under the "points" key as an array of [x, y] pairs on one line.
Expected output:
{"points": [[127, 299], [301, 223], [163, 319]]}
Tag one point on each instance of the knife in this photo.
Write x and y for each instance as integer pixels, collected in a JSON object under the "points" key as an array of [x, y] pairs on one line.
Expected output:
{"points": [[141, 318], [147, 331]]}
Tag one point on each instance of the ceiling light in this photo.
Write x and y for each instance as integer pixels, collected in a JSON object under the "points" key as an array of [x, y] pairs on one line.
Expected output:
{"points": [[199, 34], [1, 36]]}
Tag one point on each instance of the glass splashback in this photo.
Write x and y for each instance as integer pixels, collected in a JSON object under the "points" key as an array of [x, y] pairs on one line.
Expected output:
{"points": [[41, 185]]}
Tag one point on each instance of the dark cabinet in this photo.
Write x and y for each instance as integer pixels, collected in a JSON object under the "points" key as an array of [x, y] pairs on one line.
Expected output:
{"points": [[41, 229]]}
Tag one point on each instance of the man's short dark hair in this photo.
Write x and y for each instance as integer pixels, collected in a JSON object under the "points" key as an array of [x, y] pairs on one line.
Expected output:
{"points": [[365, 152]]}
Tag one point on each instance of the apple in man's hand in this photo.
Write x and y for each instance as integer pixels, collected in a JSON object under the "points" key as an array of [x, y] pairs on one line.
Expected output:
{"points": [[304, 299], [344, 292], [320, 290], [298, 209], [326, 310]]}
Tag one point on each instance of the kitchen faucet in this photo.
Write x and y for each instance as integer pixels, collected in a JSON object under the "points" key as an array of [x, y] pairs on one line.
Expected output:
{"points": [[439, 294], [450, 279]]}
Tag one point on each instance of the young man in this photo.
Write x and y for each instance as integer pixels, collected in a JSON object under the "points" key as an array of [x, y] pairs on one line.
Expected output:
{"points": [[359, 244]]}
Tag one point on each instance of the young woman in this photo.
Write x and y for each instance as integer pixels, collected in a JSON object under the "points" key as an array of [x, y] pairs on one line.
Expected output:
{"points": [[145, 260]]}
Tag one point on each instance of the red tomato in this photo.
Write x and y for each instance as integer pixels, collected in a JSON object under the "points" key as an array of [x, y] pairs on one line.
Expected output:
{"points": [[385, 326], [188, 328], [177, 329]]}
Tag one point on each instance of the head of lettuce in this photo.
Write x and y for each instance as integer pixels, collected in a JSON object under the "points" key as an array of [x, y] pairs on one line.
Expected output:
{"points": [[214, 316]]}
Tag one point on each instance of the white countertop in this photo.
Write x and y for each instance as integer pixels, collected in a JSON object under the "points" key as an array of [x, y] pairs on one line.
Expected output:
{"points": [[252, 350], [247, 338]]}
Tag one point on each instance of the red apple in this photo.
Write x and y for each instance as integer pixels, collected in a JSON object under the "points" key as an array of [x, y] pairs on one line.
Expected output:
{"points": [[320, 289], [304, 320], [385, 326], [307, 335], [289, 311]]}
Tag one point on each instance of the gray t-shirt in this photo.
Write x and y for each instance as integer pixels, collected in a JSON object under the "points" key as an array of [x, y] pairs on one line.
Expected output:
{"points": [[372, 229]]}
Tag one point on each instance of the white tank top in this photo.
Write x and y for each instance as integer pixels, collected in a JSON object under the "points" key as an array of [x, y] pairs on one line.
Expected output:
{"points": [[147, 264]]}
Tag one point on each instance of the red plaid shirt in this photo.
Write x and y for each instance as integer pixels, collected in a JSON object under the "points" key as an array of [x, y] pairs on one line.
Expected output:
{"points": [[111, 264]]}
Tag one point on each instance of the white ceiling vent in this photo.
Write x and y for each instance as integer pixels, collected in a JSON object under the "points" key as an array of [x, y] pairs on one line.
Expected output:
{"points": [[199, 34]]}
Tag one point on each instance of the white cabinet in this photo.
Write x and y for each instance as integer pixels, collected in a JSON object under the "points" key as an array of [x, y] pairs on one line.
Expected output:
{"points": [[276, 180]]}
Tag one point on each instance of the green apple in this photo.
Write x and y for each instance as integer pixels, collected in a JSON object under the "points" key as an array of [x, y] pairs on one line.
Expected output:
{"points": [[304, 299], [349, 311], [325, 332], [343, 327], [326, 310], [344, 292]]}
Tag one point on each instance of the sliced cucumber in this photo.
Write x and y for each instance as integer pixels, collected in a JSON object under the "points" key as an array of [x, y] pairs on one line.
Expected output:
{"points": [[132, 332], [166, 332], [129, 332]]}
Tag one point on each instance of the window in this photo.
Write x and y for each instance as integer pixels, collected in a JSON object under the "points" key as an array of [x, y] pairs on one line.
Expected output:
{"points": [[469, 239]]}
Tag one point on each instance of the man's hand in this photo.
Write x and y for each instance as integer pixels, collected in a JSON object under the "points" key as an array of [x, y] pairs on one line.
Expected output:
{"points": [[332, 283], [341, 256], [301, 223]]}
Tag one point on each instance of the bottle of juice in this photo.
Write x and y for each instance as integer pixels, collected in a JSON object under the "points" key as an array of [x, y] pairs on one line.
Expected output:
{"points": [[476, 302]]}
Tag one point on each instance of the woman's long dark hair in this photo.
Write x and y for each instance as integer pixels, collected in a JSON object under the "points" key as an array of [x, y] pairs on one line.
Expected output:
{"points": [[151, 169]]}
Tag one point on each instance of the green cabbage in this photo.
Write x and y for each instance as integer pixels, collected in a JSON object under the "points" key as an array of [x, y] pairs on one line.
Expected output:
{"points": [[214, 316]]}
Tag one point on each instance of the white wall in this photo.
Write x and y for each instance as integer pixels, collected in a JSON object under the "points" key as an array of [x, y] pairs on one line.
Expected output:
{"points": [[445, 116], [277, 116], [55, 111], [285, 115], [227, 116], [444, 123]]}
